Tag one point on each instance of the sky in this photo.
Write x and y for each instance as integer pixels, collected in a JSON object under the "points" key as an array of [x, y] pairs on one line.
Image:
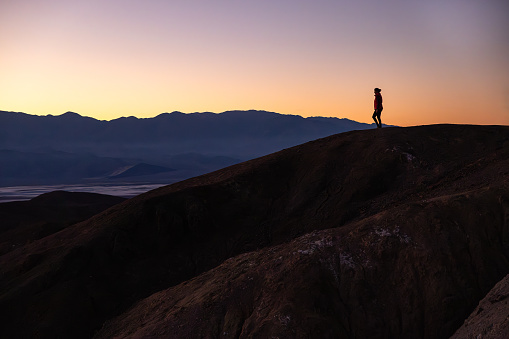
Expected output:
{"points": [[436, 61]]}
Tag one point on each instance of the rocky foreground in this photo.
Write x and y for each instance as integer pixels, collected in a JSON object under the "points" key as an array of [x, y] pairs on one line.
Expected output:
{"points": [[391, 233]]}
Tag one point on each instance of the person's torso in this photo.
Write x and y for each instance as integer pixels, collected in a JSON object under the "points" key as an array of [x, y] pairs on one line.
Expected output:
{"points": [[378, 101]]}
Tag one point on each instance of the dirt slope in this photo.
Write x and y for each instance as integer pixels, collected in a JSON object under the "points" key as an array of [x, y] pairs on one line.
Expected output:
{"points": [[26, 221]]}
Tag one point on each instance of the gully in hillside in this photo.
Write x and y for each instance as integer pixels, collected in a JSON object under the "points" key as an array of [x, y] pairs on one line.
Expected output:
{"points": [[378, 108]]}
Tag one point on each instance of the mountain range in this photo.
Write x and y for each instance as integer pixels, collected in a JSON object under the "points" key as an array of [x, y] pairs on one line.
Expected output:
{"points": [[70, 148], [381, 233]]}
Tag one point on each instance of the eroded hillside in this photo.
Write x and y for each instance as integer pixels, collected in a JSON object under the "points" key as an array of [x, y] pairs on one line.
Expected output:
{"points": [[397, 232]]}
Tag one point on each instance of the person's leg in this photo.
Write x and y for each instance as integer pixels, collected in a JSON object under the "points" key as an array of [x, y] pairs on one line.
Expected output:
{"points": [[374, 118], [380, 117]]}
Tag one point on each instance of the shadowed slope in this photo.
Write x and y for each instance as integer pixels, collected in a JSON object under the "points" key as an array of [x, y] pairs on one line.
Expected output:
{"points": [[26, 221], [78, 278]]}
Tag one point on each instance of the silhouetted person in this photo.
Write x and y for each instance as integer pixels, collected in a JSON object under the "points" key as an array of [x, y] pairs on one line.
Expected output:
{"points": [[378, 108]]}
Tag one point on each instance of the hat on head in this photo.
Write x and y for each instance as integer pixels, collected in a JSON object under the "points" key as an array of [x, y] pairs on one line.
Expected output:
{"points": [[378, 89]]}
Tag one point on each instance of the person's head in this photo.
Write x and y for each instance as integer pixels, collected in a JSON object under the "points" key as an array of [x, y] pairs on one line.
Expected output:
{"points": [[377, 90]]}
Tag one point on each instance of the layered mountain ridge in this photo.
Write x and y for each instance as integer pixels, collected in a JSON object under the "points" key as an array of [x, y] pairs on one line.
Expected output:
{"points": [[385, 233], [256, 132], [72, 149]]}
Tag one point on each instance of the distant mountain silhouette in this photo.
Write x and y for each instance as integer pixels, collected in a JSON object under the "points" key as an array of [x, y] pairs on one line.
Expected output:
{"points": [[388, 233], [200, 161], [239, 134], [139, 169], [70, 148], [53, 167], [47, 167]]}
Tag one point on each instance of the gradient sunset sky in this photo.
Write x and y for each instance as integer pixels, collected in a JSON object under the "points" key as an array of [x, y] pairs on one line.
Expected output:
{"points": [[436, 61]]}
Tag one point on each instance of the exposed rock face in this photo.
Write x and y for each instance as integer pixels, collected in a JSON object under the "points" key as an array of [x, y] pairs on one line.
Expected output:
{"points": [[407, 272], [490, 319], [397, 232]]}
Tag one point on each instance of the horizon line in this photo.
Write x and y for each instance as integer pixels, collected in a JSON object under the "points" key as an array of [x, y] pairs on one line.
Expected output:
{"points": [[180, 112]]}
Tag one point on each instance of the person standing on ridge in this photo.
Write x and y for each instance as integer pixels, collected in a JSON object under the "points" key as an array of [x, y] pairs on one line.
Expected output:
{"points": [[378, 108]]}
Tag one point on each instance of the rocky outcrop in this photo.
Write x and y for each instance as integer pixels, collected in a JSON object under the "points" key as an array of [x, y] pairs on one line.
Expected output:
{"points": [[490, 319], [411, 272]]}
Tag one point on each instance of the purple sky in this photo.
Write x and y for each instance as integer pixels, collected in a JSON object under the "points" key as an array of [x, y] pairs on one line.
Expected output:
{"points": [[436, 61]]}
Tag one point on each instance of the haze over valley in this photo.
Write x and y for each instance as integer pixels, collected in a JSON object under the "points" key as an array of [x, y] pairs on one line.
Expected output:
{"points": [[126, 153]]}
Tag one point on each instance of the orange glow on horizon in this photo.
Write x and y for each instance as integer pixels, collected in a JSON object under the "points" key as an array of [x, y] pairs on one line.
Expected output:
{"points": [[433, 62]]}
